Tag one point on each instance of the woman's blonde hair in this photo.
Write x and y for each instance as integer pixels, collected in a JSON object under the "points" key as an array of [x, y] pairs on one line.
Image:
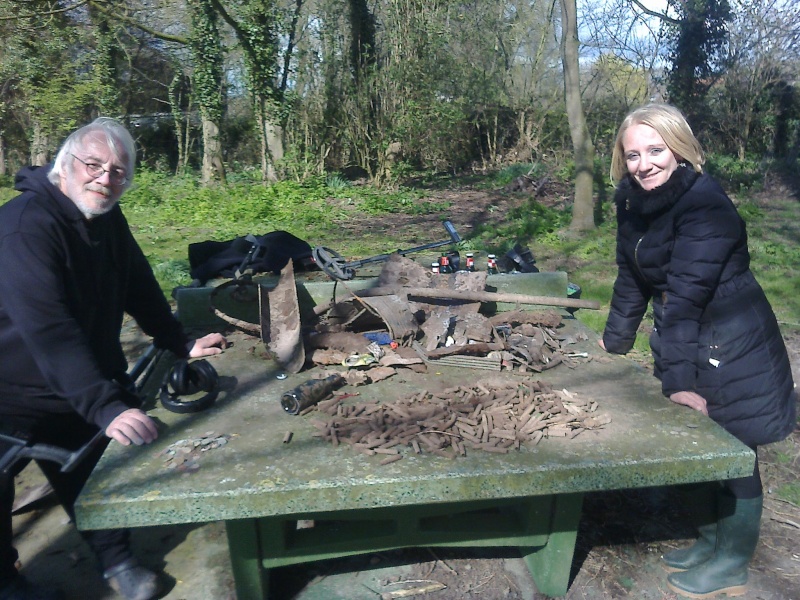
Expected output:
{"points": [[671, 125]]}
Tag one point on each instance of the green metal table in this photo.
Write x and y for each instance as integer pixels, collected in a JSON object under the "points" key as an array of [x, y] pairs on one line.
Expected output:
{"points": [[261, 486]]}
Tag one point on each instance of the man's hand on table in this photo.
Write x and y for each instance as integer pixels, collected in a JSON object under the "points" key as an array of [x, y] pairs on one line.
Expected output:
{"points": [[133, 427], [208, 345]]}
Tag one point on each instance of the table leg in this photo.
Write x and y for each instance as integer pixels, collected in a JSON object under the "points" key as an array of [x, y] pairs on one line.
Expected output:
{"points": [[245, 547], [550, 565]]}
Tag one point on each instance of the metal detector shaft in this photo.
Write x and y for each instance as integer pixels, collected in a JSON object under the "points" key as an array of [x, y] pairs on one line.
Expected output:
{"points": [[454, 239], [334, 265], [141, 369], [68, 460]]}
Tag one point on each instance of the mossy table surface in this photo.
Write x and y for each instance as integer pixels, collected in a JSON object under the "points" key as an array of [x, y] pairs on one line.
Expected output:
{"points": [[649, 441], [257, 482]]}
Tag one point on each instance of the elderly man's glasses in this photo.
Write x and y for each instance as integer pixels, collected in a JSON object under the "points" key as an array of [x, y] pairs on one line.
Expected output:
{"points": [[95, 171]]}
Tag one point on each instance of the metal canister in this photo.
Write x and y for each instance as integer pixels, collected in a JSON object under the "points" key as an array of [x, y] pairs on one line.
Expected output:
{"points": [[470, 261], [309, 393], [444, 264], [491, 264]]}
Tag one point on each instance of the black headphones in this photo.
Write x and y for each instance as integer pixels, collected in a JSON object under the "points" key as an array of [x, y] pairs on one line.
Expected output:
{"points": [[186, 378]]}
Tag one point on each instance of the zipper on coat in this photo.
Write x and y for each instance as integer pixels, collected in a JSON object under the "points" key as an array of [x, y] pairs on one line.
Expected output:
{"points": [[636, 258]]}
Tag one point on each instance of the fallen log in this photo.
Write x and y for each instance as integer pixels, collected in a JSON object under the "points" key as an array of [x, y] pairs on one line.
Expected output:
{"points": [[478, 296]]}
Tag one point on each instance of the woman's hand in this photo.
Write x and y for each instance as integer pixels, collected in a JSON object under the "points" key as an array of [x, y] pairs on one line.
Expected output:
{"points": [[213, 343], [602, 344], [690, 399]]}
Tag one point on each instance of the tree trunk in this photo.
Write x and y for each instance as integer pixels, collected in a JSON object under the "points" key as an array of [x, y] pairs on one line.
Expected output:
{"points": [[206, 51], [39, 145], [583, 208], [104, 65], [213, 167], [271, 135]]}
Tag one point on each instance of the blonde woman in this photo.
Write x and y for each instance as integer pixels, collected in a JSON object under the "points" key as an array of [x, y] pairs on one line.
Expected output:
{"points": [[716, 344]]}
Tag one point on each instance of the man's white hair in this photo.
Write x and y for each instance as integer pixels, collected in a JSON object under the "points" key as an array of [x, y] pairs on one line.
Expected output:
{"points": [[117, 137]]}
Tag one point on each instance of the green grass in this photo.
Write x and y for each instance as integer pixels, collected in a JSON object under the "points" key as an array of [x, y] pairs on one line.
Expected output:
{"points": [[168, 213], [789, 492]]}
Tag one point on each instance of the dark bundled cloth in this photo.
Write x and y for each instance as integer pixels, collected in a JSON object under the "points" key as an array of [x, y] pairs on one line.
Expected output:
{"points": [[684, 246], [211, 259]]}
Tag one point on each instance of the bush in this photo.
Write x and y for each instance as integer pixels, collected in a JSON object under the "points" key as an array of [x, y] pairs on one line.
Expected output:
{"points": [[736, 176]]}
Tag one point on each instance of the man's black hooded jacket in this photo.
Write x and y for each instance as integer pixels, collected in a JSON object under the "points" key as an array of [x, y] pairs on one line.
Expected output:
{"points": [[65, 283]]}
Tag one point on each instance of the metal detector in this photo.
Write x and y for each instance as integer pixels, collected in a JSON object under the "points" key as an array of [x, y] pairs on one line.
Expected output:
{"points": [[335, 266], [22, 447]]}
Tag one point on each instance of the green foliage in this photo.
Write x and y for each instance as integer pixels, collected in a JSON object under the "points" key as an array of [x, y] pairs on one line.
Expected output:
{"points": [[434, 133], [233, 210], [771, 254], [789, 492], [207, 55], [750, 212], [736, 175], [376, 202], [336, 182], [508, 174], [530, 221], [172, 273], [698, 44], [567, 170], [7, 191]]}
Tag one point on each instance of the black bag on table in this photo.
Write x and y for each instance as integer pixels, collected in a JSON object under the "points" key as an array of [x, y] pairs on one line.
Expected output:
{"points": [[270, 253]]}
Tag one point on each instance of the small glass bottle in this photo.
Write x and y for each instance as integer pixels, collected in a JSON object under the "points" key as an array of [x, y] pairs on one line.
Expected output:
{"points": [[308, 394], [435, 268], [491, 264]]}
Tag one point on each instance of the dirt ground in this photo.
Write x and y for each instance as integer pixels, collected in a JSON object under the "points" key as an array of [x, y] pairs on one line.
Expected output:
{"points": [[621, 537]]}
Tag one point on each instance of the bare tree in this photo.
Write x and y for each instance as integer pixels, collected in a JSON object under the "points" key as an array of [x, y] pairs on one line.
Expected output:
{"points": [[583, 208], [764, 61]]}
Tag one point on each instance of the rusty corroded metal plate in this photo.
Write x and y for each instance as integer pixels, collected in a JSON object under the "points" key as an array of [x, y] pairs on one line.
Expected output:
{"points": [[280, 321]]}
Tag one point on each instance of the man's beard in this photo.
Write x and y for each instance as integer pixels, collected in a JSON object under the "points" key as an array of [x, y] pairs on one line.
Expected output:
{"points": [[96, 209]]}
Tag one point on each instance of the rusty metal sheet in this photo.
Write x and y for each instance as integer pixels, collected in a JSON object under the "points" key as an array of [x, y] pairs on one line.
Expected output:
{"points": [[404, 272], [395, 312], [280, 321]]}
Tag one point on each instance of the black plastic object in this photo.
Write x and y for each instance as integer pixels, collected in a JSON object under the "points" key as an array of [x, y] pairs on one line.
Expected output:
{"points": [[520, 258], [309, 393], [22, 446], [454, 258], [188, 379], [573, 291]]}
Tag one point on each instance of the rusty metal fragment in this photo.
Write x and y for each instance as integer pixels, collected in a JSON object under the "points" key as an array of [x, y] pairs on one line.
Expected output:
{"points": [[493, 415], [280, 321]]}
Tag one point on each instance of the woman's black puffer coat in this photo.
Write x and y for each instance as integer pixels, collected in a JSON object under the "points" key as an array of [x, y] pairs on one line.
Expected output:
{"points": [[684, 246]]}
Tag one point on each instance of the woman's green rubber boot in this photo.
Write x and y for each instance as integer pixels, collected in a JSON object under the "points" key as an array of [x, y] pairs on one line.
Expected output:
{"points": [[726, 572], [701, 501]]}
